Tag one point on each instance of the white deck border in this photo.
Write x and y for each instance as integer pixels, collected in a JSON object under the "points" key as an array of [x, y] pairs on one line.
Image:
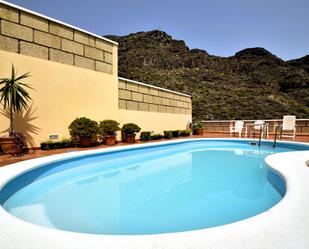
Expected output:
{"points": [[284, 226], [57, 21]]}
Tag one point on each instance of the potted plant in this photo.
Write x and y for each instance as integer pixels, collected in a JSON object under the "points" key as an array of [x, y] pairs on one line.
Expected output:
{"points": [[168, 134], [15, 98], [198, 128], [145, 136], [129, 130], [83, 129], [108, 129]]}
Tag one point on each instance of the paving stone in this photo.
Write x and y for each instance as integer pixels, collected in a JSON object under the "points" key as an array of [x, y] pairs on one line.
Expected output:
{"points": [[124, 94], [148, 98], [61, 30], [132, 105], [94, 53], [103, 67], [72, 47], [8, 44], [84, 62], [16, 31], [32, 49], [108, 47], [122, 84], [33, 21], [132, 86], [122, 104], [61, 56], [46, 39], [9, 14], [108, 57], [83, 38], [137, 96]]}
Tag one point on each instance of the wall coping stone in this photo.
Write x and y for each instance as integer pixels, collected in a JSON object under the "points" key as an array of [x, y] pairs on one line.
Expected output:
{"points": [[156, 87]]}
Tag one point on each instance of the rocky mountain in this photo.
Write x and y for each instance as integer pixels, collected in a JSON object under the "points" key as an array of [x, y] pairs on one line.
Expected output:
{"points": [[252, 84]]}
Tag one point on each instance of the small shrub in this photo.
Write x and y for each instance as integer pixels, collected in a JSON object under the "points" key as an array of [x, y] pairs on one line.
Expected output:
{"points": [[198, 125], [130, 128], [176, 133], [83, 127], [168, 134], [185, 133], [145, 136], [108, 127], [51, 145], [156, 137], [66, 143]]}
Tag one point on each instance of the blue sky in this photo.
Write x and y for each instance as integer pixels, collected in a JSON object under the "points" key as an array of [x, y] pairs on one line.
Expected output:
{"points": [[221, 27]]}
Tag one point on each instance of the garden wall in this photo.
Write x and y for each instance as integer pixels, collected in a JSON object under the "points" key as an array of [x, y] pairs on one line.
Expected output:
{"points": [[29, 33], [66, 88], [138, 96]]}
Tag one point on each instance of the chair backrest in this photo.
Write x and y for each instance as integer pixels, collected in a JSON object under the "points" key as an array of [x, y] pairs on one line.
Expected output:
{"points": [[239, 125], [288, 122], [258, 124]]}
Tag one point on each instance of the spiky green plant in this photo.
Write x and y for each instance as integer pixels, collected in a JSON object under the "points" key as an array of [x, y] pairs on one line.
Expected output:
{"points": [[14, 95]]}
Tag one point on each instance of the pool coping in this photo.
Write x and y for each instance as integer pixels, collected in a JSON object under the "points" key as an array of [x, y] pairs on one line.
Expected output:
{"points": [[284, 226]]}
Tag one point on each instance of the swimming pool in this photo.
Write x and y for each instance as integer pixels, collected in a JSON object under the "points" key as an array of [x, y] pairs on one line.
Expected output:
{"points": [[161, 188]]}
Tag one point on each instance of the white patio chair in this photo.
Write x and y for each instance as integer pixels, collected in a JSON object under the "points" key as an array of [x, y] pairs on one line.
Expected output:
{"points": [[288, 126], [239, 125], [258, 127]]}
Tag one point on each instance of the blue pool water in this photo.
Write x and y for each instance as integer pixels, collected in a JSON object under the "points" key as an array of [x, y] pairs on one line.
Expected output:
{"points": [[159, 189]]}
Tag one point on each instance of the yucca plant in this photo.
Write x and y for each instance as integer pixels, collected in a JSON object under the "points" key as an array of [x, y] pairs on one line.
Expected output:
{"points": [[14, 95]]}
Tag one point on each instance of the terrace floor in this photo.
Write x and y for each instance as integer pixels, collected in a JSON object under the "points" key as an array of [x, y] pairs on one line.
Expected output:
{"points": [[8, 159]]}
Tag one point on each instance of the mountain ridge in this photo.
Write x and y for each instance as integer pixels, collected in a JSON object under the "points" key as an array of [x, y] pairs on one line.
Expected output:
{"points": [[252, 84]]}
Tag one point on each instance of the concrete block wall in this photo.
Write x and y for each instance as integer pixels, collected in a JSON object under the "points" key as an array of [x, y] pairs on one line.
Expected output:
{"points": [[138, 96], [38, 36]]}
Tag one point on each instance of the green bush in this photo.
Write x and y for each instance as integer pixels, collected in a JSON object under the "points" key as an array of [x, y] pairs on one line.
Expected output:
{"points": [[198, 125], [83, 127], [130, 128], [185, 133], [168, 134], [145, 136], [50, 145], [108, 127], [156, 137], [176, 133]]}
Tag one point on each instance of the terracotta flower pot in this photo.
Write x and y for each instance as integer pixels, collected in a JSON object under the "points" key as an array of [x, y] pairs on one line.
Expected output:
{"points": [[7, 144], [110, 139], [85, 141], [130, 138], [199, 131]]}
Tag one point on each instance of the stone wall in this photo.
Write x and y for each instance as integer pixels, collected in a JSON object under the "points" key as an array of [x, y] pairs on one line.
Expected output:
{"points": [[33, 35], [141, 97]]}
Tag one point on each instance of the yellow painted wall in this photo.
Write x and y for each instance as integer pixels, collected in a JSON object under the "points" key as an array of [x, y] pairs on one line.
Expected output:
{"points": [[64, 92], [154, 121]]}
